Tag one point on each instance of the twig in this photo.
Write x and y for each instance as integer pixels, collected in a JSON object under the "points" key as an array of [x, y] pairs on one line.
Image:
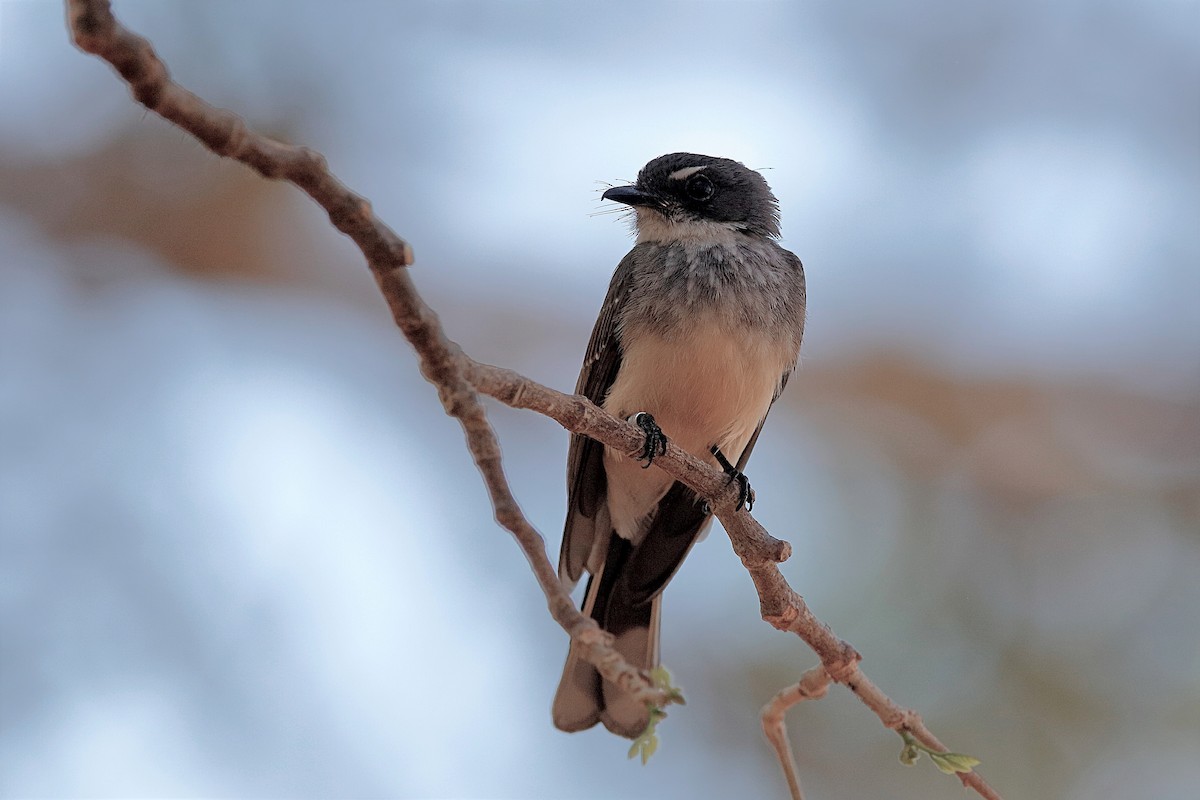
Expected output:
{"points": [[459, 380], [811, 686]]}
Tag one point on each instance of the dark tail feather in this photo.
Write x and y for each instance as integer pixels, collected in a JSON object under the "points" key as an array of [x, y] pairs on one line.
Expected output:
{"points": [[625, 597], [638, 644], [583, 697], [578, 702]]}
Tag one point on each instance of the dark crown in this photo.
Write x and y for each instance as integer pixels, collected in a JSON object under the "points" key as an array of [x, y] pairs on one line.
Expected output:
{"points": [[696, 187]]}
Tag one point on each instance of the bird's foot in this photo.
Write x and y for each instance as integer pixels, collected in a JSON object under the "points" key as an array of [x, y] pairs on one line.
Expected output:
{"points": [[745, 493], [656, 441]]}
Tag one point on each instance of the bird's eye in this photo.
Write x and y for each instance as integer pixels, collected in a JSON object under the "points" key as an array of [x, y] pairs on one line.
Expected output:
{"points": [[699, 187]]}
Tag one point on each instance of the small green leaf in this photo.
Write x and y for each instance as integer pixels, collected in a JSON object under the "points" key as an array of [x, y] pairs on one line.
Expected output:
{"points": [[661, 679], [646, 743], [649, 749], [942, 764], [950, 763]]}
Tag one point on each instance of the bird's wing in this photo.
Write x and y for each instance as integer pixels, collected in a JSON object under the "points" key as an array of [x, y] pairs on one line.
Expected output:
{"points": [[794, 261], [586, 481]]}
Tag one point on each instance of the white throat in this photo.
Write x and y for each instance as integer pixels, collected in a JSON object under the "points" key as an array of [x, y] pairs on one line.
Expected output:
{"points": [[654, 227]]}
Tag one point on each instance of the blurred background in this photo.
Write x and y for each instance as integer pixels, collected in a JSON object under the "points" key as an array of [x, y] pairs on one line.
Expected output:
{"points": [[243, 553]]}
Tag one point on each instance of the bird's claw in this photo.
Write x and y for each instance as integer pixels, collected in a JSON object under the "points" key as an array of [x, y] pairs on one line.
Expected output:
{"points": [[656, 440], [745, 493]]}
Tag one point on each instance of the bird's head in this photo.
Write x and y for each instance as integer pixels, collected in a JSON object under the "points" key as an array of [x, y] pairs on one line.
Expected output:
{"points": [[684, 196]]}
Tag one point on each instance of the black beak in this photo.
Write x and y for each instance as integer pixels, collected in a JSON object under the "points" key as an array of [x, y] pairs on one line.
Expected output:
{"points": [[630, 196]]}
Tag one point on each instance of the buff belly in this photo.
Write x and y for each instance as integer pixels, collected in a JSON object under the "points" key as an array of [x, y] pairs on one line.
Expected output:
{"points": [[711, 385]]}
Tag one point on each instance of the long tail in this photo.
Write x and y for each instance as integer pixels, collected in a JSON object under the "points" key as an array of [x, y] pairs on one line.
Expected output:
{"points": [[583, 697]]}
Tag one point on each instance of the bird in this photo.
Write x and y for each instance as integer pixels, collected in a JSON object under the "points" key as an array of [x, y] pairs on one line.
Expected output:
{"points": [[696, 339]]}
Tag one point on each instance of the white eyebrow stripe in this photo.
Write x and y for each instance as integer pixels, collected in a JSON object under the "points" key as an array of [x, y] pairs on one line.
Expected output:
{"points": [[686, 172]]}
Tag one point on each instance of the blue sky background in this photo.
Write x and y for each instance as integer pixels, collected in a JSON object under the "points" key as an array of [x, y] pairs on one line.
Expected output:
{"points": [[243, 554]]}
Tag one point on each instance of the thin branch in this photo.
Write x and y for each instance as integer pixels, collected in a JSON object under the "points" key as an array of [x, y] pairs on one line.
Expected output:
{"points": [[459, 380], [97, 31], [812, 685]]}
